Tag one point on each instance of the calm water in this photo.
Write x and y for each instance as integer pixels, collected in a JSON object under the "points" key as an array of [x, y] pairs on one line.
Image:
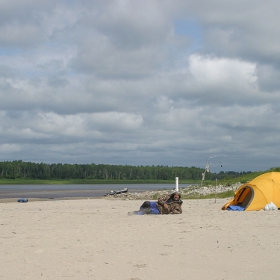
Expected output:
{"points": [[68, 191]]}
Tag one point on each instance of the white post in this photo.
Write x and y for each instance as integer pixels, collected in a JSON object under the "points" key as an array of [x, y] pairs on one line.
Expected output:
{"points": [[177, 184], [216, 190]]}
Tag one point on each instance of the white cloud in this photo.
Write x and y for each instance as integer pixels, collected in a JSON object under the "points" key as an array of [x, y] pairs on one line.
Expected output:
{"points": [[222, 70], [9, 148]]}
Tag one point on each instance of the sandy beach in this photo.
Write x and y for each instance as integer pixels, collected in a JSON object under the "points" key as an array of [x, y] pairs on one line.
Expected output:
{"points": [[96, 239]]}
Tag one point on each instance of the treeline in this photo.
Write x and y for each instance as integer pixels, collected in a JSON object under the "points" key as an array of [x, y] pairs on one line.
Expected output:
{"points": [[30, 170]]}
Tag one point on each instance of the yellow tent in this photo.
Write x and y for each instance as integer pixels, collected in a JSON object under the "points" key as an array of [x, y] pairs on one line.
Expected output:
{"points": [[257, 193]]}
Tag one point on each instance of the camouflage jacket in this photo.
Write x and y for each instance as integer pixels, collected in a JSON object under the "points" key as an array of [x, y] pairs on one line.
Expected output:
{"points": [[174, 207]]}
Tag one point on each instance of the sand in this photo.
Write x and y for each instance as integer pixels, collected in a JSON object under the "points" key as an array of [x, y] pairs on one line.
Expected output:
{"points": [[96, 239]]}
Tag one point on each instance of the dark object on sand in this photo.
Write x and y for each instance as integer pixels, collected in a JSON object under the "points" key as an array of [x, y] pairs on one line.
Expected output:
{"points": [[22, 200], [125, 190]]}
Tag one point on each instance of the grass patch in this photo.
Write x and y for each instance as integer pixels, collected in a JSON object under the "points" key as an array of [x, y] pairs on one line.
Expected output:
{"points": [[31, 182], [21, 181], [226, 194]]}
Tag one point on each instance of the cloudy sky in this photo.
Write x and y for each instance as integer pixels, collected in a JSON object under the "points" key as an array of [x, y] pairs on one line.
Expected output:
{"points": [[141, 82]]}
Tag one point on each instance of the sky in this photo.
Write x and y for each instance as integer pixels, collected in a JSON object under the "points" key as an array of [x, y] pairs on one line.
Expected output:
{"points": [[141, 82]]}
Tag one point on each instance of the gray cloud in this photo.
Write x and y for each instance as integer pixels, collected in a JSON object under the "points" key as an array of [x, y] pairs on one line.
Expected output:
{"points": [[268, 78], [150, 82]]}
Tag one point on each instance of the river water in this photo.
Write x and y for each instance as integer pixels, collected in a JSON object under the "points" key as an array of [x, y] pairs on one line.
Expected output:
{"points": [[68, 191]]}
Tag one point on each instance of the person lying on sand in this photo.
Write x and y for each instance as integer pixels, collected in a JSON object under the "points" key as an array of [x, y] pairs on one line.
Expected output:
{"points": [[166, 204]]}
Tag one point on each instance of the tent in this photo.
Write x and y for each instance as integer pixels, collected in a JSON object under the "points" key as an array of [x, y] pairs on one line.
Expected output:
{"points": [[256, 194]]}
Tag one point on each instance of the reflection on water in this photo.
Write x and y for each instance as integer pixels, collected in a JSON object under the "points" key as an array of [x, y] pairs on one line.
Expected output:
{"points": [[68, 191]]}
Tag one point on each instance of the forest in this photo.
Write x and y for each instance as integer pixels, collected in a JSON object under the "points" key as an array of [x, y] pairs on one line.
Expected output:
{"points": [[58, 171]]}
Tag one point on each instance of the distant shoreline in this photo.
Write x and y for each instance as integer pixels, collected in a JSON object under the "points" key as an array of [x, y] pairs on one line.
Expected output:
{"points": [[190, 192], [43, 191], [93, 182]]}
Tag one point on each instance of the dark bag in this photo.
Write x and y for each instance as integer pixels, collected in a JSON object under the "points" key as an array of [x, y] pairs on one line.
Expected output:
{"points": [[146, 207]]}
